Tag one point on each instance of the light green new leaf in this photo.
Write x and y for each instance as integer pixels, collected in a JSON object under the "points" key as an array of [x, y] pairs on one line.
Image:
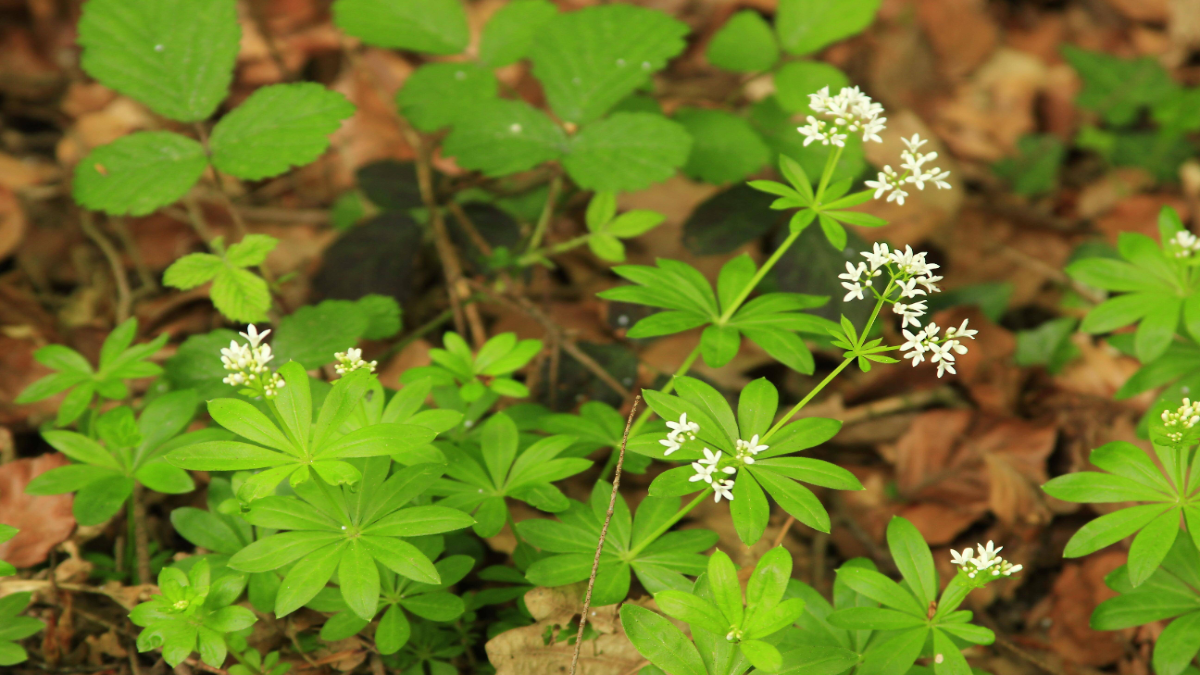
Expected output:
{"points": [[438, 94], [279, 127], [240, 295], [176, 56], [745, 44], [502, 137], [589, 60], [139, 173], [431, 26], [804, 26], [627, 152]]}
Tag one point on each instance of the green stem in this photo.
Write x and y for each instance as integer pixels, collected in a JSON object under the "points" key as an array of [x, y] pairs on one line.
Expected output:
{"points": [[667, 388], [758, 276], [804, 401], [662, 529], [862, 336], [534, 256], [543, 222], [830, 165]]}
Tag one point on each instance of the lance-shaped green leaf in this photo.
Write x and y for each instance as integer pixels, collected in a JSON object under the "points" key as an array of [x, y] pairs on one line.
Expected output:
{"points": [[398, 598], [292, 446], [128, 451], [640, 544], [328, 529], [120, 360], [481, 477], [14, 627], [748, 455]]}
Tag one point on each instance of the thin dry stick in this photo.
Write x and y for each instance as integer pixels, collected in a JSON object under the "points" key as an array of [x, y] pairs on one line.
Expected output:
{"points": [[141, 538], [612, 502], [145, 278], [469, 227], [783, 532], [124, 297]]}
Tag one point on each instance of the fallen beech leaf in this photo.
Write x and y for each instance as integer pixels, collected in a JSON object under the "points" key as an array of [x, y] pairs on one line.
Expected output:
{"points": [[523, 651], [44, 522], [1068, 610]]}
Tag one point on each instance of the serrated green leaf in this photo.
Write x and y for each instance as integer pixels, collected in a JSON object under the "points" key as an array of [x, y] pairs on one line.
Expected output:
{"points": [[431, 26], [439, 94], [312, 334], [627, 152], [745, 44], [1117, 88], [383, 316], [251, 250], [510, 32], [240, 295], [279, 127], [176, 56], [193, 270], [502, 137], [139, 173], [589, 60], [725, 148], [804, 26]]}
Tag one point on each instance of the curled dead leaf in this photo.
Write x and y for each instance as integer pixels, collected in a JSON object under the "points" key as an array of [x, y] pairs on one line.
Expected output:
{"points": [[44, 522]]}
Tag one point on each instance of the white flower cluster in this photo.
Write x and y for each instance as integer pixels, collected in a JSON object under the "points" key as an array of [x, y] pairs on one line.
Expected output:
{"points": [[248, 364], [987, 563], [892, 184], [683, 431], [911, 277], [1186, 244], [1184, 417], [851, 112], [351, 360]]}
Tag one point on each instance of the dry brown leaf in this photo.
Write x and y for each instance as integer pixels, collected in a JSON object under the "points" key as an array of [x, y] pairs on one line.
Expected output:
{"points": [[44, 522], [523, 651], [969, 44], [1068, 610]]}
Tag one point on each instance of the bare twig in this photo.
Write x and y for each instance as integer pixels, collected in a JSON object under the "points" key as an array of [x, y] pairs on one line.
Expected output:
{"points": [[612, 502], [124, 297], [260, 21], [469, 227], [543, 222], [145, 278], [783, 532], [195, 217]]}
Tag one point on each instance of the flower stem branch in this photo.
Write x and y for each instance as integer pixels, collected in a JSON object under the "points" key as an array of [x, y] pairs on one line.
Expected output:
{"points": [[612, 502]]}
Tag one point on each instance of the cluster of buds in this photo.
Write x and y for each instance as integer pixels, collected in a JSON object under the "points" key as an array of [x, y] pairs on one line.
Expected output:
{"points": [[892, 184], [849, 112], [985, 566], [1177, 423], [681, 432], [248, 364], [351, 360], [1185, 244]]}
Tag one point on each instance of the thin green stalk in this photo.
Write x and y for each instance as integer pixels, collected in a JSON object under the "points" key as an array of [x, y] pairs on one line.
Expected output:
{"points": [[534, 256], [669, 524], [543, 223], [862, 336], [804, 401], [830, 165], [758, 276]]}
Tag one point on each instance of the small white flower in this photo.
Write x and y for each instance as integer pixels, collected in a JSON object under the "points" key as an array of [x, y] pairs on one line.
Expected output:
{"points": [[854, 273], [710, 458], [253, 335], [908, 289], [910, 313], [683, 428], [879, 256], [929, 281], [855, 291], [753, 445], [703, 472], [962, 559], [988, 553], [914, 345], [248, 364], [672, 445], [722, 488]]}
